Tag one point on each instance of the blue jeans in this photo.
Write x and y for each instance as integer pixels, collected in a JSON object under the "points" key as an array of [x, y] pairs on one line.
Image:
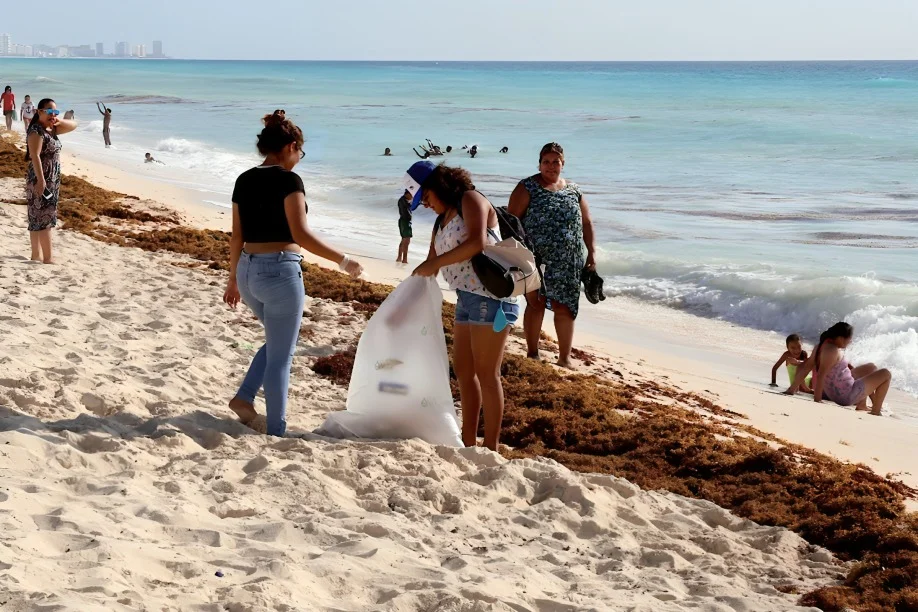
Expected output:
{"points": [[271, 286]]}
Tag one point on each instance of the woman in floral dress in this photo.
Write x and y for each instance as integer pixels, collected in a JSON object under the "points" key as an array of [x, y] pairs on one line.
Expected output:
{"points": [[43, 180], [557, 219]]}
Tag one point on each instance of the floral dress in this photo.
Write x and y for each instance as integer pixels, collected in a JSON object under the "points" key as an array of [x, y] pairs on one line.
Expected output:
{"points": [[42, 211], [554, 223]]}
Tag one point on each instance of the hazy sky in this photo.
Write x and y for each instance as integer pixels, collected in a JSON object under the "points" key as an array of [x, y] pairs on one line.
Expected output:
{"points": [[487, 29]]}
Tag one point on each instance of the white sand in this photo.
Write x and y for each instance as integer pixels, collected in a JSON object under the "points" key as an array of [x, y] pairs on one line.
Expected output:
{"points": [[126, 485]]}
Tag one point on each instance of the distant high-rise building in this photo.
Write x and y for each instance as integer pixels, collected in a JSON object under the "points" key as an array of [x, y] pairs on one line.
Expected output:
{"points": [[100, 49], [21, 50], [6, 44], [63, 51], [80, 51], [158, 48], [43, 51], [140, 51], [122, 49]]}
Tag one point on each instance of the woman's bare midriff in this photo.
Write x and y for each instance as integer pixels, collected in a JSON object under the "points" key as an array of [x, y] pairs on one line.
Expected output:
{"points": [[260, 248]]}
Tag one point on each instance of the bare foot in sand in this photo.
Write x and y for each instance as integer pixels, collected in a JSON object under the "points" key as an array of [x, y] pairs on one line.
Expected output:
{"points": [[565, 364], [535, 355], [243, 409]]}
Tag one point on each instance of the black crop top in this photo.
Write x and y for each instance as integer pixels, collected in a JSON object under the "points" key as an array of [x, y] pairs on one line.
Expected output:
{"points": [[260, 194]]}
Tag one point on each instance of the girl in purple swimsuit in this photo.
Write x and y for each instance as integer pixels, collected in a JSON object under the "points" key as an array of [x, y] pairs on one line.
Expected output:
{"points": [[835, 380]]}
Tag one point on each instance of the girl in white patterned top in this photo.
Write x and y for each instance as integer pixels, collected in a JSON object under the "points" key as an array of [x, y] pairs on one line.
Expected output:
{"points": [[482, 321]]}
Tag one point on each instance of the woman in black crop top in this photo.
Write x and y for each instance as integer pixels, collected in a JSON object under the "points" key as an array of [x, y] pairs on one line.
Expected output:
{"points": [[269, 228]]}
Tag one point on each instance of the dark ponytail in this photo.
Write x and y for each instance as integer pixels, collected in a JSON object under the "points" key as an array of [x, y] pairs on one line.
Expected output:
{"points": [[42, 104], [839, 330], [278, 133]]}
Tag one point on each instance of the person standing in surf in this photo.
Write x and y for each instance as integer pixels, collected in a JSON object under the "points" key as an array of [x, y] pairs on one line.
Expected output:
{"points": [[404, 227], [269, 231], [106, 123]]}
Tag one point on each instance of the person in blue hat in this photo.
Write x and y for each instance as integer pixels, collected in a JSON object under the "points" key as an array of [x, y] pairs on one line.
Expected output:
{"points": [[466, 223]]}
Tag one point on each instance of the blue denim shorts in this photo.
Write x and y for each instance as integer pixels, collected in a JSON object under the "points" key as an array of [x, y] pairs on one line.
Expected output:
{"points": [[473, 309]]}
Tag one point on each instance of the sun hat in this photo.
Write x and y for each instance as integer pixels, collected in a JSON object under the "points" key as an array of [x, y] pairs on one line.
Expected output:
{"points": [[415, 177]]}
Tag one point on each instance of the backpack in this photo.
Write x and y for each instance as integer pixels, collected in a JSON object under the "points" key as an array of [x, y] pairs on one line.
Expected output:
{"points": [[508, 268]]}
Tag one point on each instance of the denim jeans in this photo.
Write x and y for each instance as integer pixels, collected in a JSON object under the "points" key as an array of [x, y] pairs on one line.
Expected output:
{"points": [[271, 286]]}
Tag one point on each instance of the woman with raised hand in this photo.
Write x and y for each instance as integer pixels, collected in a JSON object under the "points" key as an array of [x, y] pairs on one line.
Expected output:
{"points": [[466, 224], [269, 229], [556, 217], [43, 178]]}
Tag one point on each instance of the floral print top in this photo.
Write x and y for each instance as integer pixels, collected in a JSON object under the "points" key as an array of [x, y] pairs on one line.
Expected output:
{"points": [[554, 223], [461, 276]]}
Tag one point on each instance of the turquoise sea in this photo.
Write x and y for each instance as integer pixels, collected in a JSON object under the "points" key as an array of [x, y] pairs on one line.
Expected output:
{"points": [[777, 196]]}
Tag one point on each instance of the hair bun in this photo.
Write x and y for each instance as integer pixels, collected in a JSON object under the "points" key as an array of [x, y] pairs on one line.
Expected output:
{"points": [[278, 117]]}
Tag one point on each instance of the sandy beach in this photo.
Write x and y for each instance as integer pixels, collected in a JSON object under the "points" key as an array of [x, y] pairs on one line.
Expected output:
{"points": [[731, 366], [127, 484]]}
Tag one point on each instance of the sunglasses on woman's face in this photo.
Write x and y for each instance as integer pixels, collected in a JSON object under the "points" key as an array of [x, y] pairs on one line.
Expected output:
{"points": [[302, 153], [51, 111]]}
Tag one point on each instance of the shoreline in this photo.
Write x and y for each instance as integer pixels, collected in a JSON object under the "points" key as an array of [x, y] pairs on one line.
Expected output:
{"points": [[650, 342]]}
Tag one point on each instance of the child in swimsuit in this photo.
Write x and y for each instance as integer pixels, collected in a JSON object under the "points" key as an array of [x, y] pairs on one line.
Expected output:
{"points": [[794, 356]]}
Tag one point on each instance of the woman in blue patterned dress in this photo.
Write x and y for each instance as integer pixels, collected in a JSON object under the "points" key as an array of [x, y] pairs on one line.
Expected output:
{"points": [[43, 180], [557, 219]]}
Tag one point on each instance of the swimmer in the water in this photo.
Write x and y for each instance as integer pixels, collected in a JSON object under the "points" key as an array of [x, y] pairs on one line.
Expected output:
{"points": [[388, 152], [505, 150]]}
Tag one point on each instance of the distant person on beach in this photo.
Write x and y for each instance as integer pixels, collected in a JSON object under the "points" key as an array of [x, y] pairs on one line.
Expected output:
{"points": [[556, 217], [388, 152], [106, 123], [794, 357], [26, 112], [269, 231], [836, 380], [148, 159], [9, 106], [404, 227], [449, 149], [473, 151], [482, 320], [505, 150], [70, 114], [43, 178]]}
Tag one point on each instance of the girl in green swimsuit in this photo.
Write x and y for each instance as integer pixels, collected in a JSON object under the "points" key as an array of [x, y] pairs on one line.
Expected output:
{"points": [[794, 356]]}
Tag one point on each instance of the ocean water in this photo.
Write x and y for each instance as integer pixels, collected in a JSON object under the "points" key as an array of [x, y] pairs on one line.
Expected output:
{"points": [[777, 196]]}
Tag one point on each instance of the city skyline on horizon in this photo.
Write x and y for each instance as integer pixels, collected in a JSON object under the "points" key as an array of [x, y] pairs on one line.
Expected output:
{"points": [[485, 30], [9, 47]]}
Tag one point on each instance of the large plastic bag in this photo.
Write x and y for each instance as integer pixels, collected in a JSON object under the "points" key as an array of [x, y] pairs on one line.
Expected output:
{"points": [[400, 382]]}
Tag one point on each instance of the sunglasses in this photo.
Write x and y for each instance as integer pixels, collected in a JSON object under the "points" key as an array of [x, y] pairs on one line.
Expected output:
{"points": [[302, 153], [51, 111]]}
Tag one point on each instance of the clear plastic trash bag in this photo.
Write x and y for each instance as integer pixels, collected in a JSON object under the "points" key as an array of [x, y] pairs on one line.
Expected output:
{"points": [[400, 383]]}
